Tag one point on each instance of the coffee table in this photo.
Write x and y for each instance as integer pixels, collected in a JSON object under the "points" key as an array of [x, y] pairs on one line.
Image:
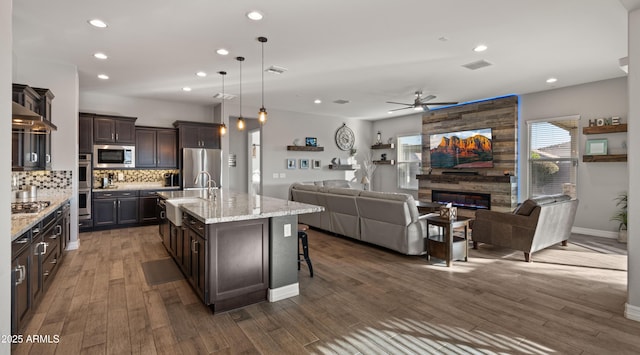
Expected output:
{"points": [[445, 245]]}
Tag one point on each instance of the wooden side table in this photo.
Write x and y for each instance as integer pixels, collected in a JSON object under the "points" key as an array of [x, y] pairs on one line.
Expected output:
{"points": [[445, 246]]}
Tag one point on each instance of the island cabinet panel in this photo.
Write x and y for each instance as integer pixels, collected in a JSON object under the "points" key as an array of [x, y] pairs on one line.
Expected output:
{"points": [[238, 270]]}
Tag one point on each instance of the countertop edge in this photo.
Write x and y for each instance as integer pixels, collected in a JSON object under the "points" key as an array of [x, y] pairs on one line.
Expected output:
{"points": [[27, 222]]}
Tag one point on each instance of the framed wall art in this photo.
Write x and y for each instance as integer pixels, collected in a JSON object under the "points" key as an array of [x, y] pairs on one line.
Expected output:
{"points": [[291, 163], [304, 163], [596, 147], [311, 141]]}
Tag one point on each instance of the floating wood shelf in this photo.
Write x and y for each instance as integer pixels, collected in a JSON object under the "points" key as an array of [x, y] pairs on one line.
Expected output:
{"points": [[609, 158], [343, 167], [605, 129], [304, 148], [385, 162], [383, 146]]}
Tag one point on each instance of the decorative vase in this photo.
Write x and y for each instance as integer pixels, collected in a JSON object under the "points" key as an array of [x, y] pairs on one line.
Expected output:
{"points": [[622, 235]]}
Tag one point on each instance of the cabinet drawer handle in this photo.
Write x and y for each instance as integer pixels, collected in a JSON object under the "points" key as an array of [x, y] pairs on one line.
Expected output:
{"points": [[107, 195], [44, 247], [35, 231], [58, 231], [54, 261], [45, 274], [112, 137], [22, 241], [126, 194], [48, 158], [116, 136], [22, 271], [162, 215]]}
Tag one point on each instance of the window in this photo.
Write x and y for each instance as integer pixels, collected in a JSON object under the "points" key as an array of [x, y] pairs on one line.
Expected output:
{"points": [[553, 156], [409, 161]]}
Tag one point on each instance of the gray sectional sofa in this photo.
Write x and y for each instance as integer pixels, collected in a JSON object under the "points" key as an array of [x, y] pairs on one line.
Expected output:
{"points": [[390, 220]]}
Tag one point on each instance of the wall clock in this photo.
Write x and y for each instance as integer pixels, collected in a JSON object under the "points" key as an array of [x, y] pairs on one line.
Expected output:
{"points": [[345, 137]]}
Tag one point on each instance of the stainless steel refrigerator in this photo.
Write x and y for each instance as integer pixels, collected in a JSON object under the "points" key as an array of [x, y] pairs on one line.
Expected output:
{"points": [[196, 160]]}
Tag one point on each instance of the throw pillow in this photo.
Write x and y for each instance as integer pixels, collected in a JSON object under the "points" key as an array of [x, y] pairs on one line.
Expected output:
{"points": [[525, 208]]}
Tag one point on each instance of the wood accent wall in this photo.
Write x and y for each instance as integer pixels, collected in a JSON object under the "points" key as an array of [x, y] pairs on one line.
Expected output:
{"points": [[501, 115]]}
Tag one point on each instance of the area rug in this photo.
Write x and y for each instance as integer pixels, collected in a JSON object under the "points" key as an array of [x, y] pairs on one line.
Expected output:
{"points": [[161, 271]]}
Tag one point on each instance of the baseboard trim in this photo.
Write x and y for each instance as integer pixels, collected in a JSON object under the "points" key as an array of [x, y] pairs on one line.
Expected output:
{"points": [[73, 245], [632, 312], [595, 232], [284, 292]]}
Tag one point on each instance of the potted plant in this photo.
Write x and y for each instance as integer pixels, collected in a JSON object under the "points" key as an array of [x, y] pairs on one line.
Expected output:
{"points": [[621, 216]]}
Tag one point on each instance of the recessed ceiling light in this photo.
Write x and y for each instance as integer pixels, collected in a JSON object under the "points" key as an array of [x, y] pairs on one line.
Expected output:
{"points": [[551, 80], [480, 48], [317, 101], [97, 23], [390, 112], [201, 74], [443, 39], [103, 76], [100, 55], [254, 15], [222, 51], [186, 88]]}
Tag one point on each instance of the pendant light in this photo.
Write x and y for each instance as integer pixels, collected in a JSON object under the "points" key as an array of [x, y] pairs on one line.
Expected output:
{"points": [[240, 119], [223, 128], [262, 114]]}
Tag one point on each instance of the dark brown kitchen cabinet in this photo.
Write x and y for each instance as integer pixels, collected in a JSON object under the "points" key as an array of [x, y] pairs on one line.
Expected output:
{"points": [[115, 208], [156, 148], [198, 134], [196, 254], [44, 104], [31, 147], [148, 207], [114, 129], [20, 280], [27, 97], [85, 133]]}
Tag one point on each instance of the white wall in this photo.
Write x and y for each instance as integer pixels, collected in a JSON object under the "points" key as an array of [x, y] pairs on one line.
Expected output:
{"points": [[238, 144], [633, 302], [598, 183], [155, 113], [283, 127], [5, 173], [62, 80], [385, 177]]}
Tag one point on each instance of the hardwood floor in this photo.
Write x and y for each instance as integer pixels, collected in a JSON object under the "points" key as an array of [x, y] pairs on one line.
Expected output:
{"points": [[362, 299]]}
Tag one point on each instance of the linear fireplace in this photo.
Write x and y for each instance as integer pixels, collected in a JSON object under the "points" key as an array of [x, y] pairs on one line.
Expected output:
{"points": [[468, 200]]}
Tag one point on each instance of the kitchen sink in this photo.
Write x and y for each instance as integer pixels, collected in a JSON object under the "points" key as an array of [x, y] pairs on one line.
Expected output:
{"points": [[174, 213]]}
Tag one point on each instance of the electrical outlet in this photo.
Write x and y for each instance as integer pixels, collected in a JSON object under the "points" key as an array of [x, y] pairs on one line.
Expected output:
{"points": [[120, 176], [275, 175], [283, 175], [287, 230]]}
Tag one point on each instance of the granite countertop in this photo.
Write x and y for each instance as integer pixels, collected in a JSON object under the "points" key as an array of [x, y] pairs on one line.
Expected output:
{"points": [[22, 222], [232, 206], [131, 186]]}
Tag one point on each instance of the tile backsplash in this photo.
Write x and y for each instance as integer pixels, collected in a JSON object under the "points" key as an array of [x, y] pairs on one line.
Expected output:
{"points": [[47, 180], [133, 175]]}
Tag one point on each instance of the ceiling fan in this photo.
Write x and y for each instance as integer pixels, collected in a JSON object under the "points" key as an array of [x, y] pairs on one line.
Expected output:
{"points": [[420, 104]]}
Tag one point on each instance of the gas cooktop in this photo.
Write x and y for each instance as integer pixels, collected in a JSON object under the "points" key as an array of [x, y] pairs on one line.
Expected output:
{"points": [[29, 207]]}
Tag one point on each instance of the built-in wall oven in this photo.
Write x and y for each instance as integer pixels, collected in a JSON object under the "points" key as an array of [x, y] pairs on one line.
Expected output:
{"points": [[85, 182]]}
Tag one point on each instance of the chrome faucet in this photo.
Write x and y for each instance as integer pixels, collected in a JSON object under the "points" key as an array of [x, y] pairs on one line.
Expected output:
{"points": [[210, 181]]}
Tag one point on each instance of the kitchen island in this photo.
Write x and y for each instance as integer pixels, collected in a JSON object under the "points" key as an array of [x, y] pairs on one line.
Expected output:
{"points": [[235, 249]]}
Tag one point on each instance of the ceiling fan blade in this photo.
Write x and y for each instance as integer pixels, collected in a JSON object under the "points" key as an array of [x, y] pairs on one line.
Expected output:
{"points": [[439, 103], [427, 98], [404, 108], [399, 103]]}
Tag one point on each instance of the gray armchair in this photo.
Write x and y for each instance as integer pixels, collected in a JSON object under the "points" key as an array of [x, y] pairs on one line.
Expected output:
{"points": [[534, 225]]}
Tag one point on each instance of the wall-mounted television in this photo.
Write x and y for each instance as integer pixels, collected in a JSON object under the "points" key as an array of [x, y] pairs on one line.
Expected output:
{"points": [[462, 149]]}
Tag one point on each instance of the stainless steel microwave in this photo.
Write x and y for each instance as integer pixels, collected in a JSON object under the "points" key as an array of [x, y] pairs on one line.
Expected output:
{"points": [[114, 156]]}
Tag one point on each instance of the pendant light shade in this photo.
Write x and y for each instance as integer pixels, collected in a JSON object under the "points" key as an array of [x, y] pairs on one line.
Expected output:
{"points": [[262, 114], [223, 128], [240, 119]]}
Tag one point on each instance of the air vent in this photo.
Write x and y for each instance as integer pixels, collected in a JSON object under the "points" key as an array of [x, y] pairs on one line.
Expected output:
{"points": [[224, 96], [477, 65], [276, 70], [341, 102]]}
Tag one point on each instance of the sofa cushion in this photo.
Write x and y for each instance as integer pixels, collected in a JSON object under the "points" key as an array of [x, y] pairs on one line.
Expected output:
{"points": [[526, 208], [343, 191], [396, 196], [336, 183]]}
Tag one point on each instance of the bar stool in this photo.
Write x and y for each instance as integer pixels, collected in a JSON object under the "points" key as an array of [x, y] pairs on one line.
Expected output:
{"points": [[302, 237]]}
